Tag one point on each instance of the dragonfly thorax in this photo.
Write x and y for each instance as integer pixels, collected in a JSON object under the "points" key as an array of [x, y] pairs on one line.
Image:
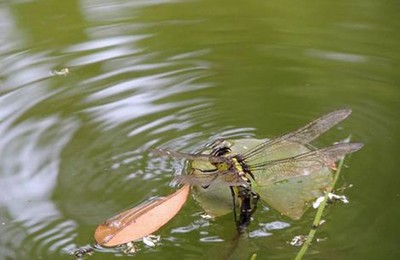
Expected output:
{"points": [[234, 169]]}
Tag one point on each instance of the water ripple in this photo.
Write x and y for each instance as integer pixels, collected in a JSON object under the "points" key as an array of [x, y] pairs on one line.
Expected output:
{"points": [[103, 43], [74, 149]]}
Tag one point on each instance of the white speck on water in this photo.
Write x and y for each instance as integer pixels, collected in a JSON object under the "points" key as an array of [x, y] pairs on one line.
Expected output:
{"points": [[211, 239], [151, 240], [342, 198], [276, 225], [259, 233], [298, 240], [206, 216]]}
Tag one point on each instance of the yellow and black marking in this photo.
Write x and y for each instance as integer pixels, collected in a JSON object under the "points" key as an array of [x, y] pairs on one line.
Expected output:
{"points": [[247, 200]]}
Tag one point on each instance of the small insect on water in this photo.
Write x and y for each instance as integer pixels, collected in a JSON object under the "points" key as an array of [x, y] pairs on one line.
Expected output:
{"points": [[287, 172]]}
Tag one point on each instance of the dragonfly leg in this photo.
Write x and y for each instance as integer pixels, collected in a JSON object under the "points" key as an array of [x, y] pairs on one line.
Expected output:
{"points": [[233, 202], [255, 198]]}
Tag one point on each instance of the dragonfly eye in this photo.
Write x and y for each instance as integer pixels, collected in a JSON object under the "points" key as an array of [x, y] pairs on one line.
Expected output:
{"points": [[221, 151]]}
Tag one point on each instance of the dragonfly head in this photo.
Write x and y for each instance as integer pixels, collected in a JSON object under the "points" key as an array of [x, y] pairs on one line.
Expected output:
{"points": [[221, 151]]}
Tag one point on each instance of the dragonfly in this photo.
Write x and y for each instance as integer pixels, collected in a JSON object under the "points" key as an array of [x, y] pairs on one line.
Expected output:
{"points": [[287, 165]]}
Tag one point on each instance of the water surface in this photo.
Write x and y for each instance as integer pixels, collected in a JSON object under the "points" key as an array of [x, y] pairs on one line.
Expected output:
{"points": [[179, 74]]}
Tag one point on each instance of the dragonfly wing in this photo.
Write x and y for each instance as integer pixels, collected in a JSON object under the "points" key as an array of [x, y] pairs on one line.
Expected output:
{"points": [[317, 127], [303, 164], [188, 156], [203, 180], [227, 178], [288, 185], [303, 135]]}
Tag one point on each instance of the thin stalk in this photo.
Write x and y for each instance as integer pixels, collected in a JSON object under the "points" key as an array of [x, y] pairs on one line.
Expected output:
{"points": [[318, 216]]}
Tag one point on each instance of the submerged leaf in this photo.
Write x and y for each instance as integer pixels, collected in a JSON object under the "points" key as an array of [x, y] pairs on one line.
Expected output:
{"points": [[293, 196], [140, 221]]}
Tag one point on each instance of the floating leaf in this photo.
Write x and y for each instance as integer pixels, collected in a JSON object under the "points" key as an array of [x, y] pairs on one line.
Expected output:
{"points": [[142, 220], [293, 196]]}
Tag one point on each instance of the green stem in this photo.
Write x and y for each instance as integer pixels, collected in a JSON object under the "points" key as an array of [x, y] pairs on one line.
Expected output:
{"points": [[318, 216]]}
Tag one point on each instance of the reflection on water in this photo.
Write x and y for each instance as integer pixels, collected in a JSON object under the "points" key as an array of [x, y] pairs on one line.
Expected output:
{"points": [[74, 148], [55, 130], [29, 175]]}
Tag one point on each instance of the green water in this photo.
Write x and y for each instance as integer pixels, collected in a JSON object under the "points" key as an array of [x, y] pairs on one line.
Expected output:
{"points": [[179, 74]]}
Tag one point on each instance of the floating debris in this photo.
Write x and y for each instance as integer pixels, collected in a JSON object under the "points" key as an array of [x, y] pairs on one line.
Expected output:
{"points": [[342, 198], [61, 72], [130, 248], [298, 240], [331, 197], [206, 216], [83, 251], [151, 240], [322, 239], [140, 221], [318, 202]]}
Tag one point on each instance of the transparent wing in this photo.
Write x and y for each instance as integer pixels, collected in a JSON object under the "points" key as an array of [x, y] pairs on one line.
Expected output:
{"points": [[289, 185], [228, 178], [188, 156], [303, 135], [301, 165]]}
